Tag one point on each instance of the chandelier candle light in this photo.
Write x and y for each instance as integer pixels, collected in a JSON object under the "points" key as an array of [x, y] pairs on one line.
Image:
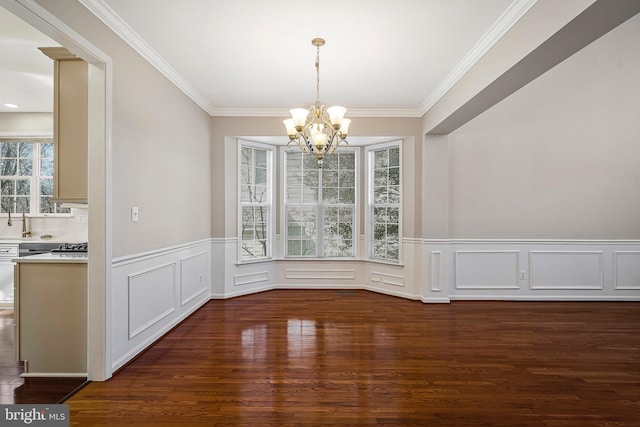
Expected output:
{"points": [[317, 131]]}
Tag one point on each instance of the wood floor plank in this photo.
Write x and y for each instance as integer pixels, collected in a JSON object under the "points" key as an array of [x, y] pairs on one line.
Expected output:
{"points": [[329, 358]]}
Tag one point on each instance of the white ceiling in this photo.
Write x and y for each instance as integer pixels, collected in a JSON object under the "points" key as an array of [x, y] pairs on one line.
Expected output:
{"points": [[253, 57], [26, 74]]}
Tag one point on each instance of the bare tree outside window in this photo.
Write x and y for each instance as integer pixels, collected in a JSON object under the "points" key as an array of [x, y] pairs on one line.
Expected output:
{"points": [[255, 203], [26, 176]]}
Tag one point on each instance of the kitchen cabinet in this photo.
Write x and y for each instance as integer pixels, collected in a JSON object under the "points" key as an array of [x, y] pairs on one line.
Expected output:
{"points": [[7, 252], [70, 125], [51, 316]]}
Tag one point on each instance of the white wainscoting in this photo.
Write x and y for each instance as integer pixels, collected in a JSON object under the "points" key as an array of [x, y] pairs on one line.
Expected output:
{"points": [[570, 270], [626, 270], [154, 291], [531, 270], [443, 270], [486, 269], [232, 279]]}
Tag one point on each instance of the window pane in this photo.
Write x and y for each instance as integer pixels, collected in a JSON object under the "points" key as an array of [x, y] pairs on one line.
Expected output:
{"points": [[329, 178], [8, 167], [347, 160], [25, 167], [380, 195], [9, 149], [25, 150], [347, 196], [394, 194], [394, 157], [330, 195], [385, 209], [394, 176], [380, 177], [46, 151], [46, 167], [23, 187], [261, 176], [45, 205], [8, 186], [381, 159], [261, 159]]}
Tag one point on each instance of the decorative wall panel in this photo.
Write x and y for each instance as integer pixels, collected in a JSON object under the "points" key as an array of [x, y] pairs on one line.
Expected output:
{"points": [[435, 264], [387, 279], [626, 266], [194, 278], [151, 297], [486, 269], [570, 270], [251, 278], [320, 274]]}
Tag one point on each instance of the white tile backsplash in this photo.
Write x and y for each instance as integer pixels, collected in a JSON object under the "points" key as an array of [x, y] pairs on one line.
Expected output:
{"points": [[72, 229]]}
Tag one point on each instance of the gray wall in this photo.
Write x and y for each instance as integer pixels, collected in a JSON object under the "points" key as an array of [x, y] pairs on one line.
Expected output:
{"points": [[560, 158], [160, 145]]}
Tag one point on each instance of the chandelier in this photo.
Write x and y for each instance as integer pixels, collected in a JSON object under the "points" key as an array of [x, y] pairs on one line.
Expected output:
{"points": [[317, 131]]}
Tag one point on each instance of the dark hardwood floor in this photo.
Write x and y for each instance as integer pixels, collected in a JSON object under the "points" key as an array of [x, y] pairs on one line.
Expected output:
{"points": [[347, 358], [13, 388]]}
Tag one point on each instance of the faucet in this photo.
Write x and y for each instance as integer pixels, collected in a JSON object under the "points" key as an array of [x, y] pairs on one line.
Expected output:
{"points": [[17, 202]]}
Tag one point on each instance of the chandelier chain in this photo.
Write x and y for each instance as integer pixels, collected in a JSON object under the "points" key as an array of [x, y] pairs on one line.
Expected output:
{"points": [[318, 74]]}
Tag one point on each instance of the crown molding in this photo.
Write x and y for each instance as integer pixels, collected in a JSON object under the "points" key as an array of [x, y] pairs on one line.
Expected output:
{"points": [[282, 112], [112, 20], [508, 18]]}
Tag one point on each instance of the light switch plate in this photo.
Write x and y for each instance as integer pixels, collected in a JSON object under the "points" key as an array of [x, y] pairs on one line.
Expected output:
{"points": [[134, 214]]}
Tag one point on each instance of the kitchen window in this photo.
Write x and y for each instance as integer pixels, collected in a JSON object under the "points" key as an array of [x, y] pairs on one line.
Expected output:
{"points": [[255, 196], [26, 176], [384, 201], [320, 205]]}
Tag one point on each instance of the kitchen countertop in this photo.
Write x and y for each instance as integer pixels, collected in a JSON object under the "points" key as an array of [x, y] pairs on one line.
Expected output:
{"points": [[17, 240], [58, 257]]}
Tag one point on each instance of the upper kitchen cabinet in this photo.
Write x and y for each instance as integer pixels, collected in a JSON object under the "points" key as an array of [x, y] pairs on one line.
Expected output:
{"points": [[70, 127]]}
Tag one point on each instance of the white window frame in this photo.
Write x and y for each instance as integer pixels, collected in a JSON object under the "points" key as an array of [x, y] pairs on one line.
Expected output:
{"points": [[369, 176], [319, 221], [270, 150], [34, 178]]}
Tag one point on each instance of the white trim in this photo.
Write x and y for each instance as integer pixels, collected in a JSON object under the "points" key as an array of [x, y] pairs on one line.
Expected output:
{"points": [[26, 134], [53, 374], [514, 12], [530, 241], [111, 19], [131, 259]]}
